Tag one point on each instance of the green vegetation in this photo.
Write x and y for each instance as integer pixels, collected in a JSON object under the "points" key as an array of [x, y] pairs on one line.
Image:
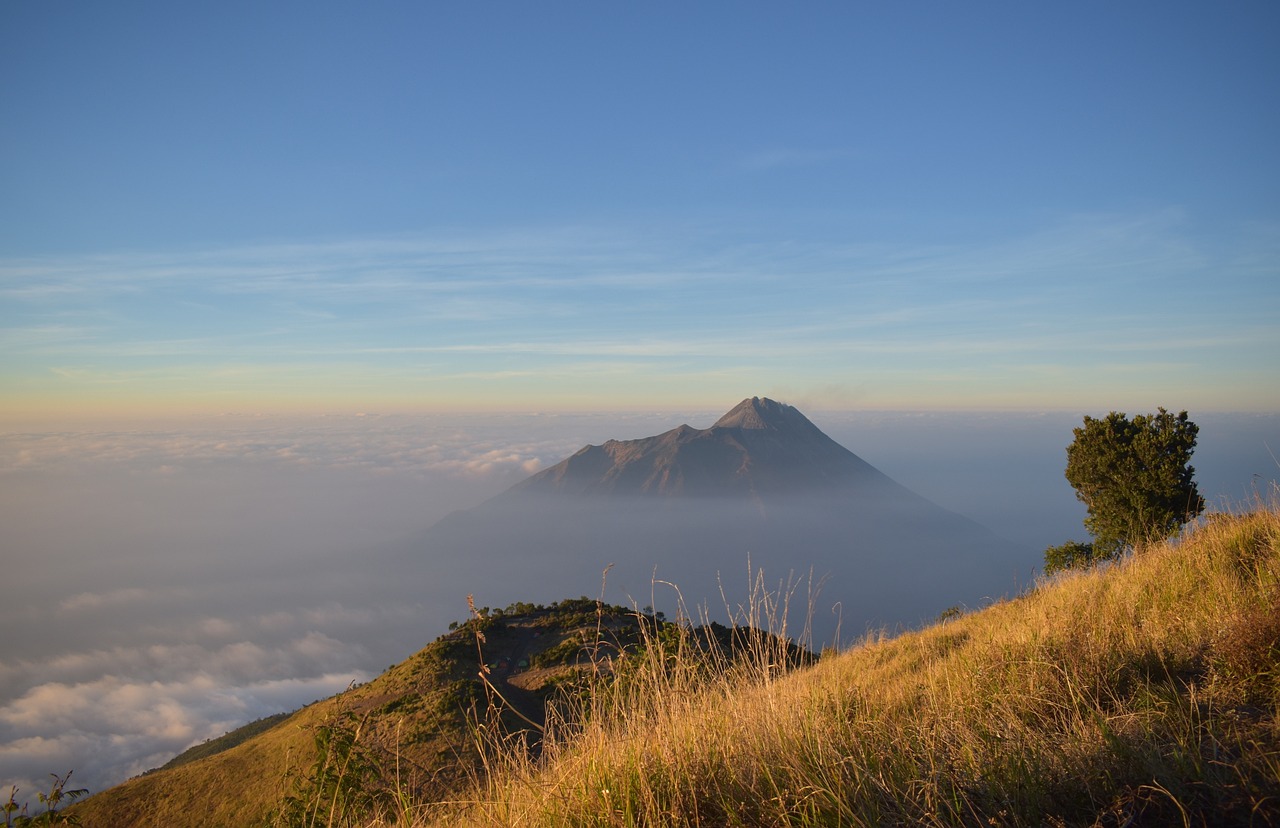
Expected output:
{"points": [[16, 816], [346, 785], [1134, 476], [1071, 555]]}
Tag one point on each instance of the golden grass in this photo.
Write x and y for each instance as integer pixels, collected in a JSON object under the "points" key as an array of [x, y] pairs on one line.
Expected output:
{"points": [[1141, 693]]}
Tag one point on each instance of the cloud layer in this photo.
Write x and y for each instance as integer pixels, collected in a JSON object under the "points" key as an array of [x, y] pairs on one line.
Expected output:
{"points": [[166, 584], [169, 582]]}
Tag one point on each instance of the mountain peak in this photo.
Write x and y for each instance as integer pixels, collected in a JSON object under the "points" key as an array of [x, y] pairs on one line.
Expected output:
{"points": [[760, 447], [763, 413]]}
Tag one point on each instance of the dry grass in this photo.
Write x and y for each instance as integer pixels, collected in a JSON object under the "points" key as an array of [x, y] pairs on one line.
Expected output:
{"points": [[1141, 693]]}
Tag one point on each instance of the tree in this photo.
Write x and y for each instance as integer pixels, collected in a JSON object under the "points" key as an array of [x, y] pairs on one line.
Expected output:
{"points": [[1134, 476]]}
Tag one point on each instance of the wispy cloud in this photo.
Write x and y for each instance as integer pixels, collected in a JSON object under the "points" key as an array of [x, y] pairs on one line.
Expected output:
{"points": [[99, 600], [375, 315]]}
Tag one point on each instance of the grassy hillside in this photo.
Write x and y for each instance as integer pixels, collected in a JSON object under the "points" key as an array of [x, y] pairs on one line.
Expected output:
{"points": [[1143, 693], [415, 721]]}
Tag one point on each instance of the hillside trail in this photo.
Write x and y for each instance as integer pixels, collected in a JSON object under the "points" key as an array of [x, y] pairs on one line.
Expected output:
{"points": [[518, 685]]}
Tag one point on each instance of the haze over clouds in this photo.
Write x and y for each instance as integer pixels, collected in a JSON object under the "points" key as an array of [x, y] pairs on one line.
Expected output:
{"points": [[177, 583], [227, 231]]}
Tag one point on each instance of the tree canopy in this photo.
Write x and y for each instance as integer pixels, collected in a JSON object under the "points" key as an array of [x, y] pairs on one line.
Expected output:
{"points": [[1135, 478]]}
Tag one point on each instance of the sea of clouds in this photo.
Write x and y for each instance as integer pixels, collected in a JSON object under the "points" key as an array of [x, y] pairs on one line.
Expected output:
{"points": [[168, 582]]}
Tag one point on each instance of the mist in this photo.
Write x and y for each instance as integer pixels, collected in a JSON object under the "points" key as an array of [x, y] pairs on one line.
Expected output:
{"points": [[166, 583]]}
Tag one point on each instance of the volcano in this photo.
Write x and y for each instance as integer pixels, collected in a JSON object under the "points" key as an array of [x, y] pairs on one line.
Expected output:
{"points": [[760, 496], [760, 448]]}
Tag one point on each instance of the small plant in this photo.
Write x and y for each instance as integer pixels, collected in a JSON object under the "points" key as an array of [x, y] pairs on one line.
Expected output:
{"points": [[344, 785], [58, 792], [1073, 555], [949, 614]]}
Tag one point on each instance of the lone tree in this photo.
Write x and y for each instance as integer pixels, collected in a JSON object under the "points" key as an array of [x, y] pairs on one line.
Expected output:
{"points": [[1134, 477]]}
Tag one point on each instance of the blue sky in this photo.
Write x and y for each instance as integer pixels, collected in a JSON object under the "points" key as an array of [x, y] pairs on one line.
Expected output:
{"points": [[409, 206]]}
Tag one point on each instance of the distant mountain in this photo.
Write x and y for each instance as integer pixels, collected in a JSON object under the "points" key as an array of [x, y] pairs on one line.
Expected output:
{"points": [[759, 448], [762, 488]]}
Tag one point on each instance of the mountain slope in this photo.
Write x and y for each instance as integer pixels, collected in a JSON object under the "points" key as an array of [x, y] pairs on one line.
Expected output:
{"points": [[1144, 693]]}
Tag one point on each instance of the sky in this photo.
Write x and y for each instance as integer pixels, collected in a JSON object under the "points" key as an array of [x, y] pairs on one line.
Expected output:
{"points": [[284, 283], [400, 206]]}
